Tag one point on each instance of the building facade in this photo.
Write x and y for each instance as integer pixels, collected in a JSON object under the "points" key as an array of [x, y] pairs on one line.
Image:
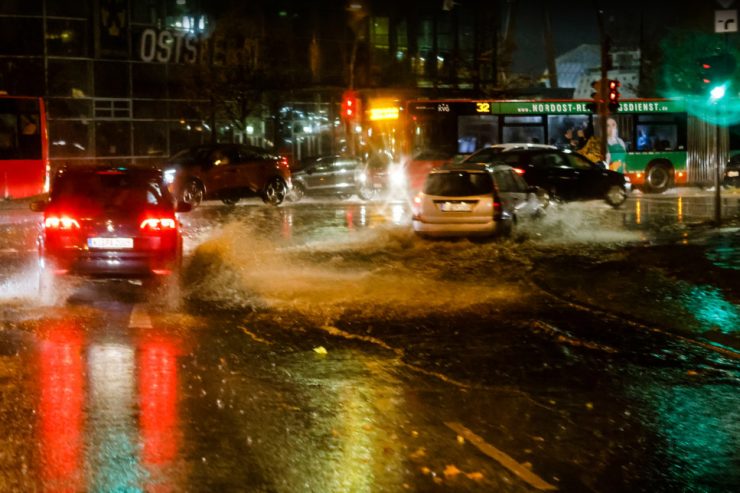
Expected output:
{"points": [[136, 80]]}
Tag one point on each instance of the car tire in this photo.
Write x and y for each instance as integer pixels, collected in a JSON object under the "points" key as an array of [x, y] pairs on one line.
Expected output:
{"points": [[615, 196], [297, 193], [274, 192], [366, 193], [658, 178], [230, 200], [192, 193]]}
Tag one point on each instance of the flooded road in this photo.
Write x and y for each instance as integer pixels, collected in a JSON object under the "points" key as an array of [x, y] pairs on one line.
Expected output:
{"points": [[320, 347]]}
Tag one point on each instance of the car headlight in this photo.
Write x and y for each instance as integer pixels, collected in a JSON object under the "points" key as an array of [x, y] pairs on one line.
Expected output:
{"points": [[397, 176], [362, 177], [169, 176]]}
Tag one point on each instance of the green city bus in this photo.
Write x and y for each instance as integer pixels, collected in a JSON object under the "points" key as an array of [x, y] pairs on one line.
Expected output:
{"points": [[655, 142]]}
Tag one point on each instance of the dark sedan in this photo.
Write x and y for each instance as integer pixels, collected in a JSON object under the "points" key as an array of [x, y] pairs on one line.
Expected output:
{"points": [[333, 175], [565, 175]]}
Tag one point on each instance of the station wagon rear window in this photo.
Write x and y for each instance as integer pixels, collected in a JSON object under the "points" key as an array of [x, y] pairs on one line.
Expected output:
{"points": [[458, 184]]}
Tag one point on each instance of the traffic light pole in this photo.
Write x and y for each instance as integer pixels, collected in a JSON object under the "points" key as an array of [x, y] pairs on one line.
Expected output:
{"points": [[603, 109]]}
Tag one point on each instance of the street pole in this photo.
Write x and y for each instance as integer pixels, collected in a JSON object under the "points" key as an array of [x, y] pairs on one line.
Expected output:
{"points": [[717, 174], [603, 109]]}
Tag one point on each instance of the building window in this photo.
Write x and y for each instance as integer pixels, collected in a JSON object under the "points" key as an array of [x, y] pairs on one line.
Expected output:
{"points": [[70, 78], [69, 139], [66, 38], [150, 139], [379, 33], [114, 109], [22, 76], [149, 80], [112, 79], [22, 7], [21, 36], [112, 139], [69, 107]]}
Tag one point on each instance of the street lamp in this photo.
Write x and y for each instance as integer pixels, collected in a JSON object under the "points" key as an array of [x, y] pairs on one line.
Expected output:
{"points": [[717, 92]]}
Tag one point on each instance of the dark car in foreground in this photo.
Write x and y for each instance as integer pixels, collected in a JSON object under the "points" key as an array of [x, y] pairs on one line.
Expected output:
{"points": [[227, 172], [109, 222], [332, 175], [564, 174]]}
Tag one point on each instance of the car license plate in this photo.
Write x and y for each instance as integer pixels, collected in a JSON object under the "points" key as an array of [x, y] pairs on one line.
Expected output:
{"points": [[110, 242], [455, 207], [733, 174]]}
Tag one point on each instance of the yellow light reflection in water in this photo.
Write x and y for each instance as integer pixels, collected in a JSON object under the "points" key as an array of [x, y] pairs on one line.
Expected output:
{"points": [[638, 218], [680, 209]]}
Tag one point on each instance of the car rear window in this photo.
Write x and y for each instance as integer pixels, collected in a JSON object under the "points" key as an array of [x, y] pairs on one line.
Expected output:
{"points": [[458, 184], [109, 190]]}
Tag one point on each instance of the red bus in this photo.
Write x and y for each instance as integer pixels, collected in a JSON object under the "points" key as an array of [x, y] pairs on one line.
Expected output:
{"points": [[24, 147]]}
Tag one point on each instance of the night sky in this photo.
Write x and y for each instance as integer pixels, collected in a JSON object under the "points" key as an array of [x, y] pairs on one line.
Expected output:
{"points": [[574, 22]]}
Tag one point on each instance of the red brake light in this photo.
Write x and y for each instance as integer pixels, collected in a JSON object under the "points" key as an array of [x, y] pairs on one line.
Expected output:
{"points": [[518, 171], [497, 209], [158, 224], [61, 222]]}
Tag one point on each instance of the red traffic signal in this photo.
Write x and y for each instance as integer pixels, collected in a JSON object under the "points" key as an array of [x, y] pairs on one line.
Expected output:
{"points": [[613, 94], [350, 105], [716, 69]]}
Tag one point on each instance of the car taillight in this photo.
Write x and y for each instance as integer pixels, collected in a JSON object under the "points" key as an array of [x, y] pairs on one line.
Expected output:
{"points": [[518, 171], [497, 209], [61, 222], [158, 224]]}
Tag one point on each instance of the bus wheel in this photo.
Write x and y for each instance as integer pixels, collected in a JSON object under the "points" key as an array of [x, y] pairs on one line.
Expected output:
{"points": [[658, 177]]}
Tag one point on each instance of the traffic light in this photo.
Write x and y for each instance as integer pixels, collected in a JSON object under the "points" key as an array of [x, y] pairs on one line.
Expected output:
{"points": [[716, 70], [613, 94], [596, 96], [350, 105]]}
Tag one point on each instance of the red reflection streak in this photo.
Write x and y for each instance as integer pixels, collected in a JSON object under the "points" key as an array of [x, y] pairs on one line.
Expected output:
{"points": [[60, 408], [350, 219], [287, 229], [158, 399]]}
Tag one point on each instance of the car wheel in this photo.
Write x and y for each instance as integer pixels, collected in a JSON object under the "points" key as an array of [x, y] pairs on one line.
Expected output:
{"points": [[274, 192], [615, 196], [230, 200], [553, 197], [366, 193], [658, 178], [297, 193], [192, 193]]}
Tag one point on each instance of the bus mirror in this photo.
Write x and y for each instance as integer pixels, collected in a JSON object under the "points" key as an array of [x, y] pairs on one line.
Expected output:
{"points": [[38, 205]]}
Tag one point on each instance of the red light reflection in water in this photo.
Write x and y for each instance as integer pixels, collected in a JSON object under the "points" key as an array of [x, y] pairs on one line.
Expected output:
{"points": [[287, 229], [60, 407], [350, 219], [158, 402]]}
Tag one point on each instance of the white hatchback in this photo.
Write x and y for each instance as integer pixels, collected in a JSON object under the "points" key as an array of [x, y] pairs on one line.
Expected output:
{"points": [[474, 200]]}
